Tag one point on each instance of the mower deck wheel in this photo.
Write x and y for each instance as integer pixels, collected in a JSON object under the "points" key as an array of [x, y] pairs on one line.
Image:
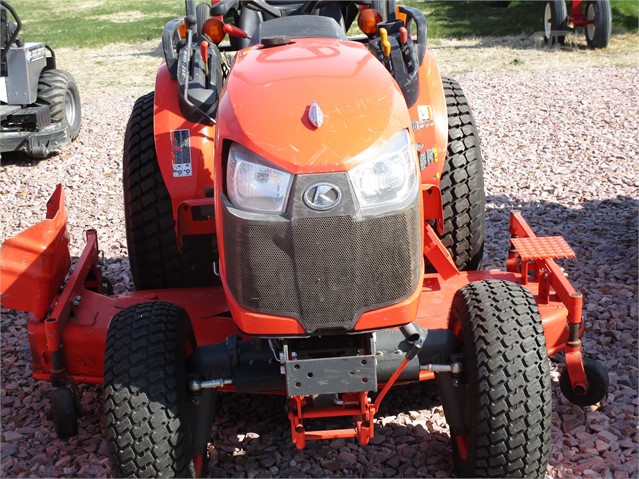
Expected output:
{"points": [[145, 392], [598, 382], [555, 22], [462, 183], [57, 89], [598, 32], [506, 378], [64, 409]]}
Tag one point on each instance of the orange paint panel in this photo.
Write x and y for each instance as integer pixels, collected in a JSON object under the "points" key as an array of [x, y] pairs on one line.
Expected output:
{"points": [[389, 316], [33, 263], [183, 182], [361, 103], [431, 132]]}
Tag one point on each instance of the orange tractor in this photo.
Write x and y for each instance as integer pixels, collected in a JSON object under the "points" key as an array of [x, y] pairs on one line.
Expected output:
{"points": [[305, 218]]}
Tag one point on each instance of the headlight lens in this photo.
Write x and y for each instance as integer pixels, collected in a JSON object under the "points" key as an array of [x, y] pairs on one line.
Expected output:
{"points": [[254, 186], [387, 174]]}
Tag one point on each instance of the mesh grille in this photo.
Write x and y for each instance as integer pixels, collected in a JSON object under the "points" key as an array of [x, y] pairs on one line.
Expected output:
{"points": [[324, 271]]}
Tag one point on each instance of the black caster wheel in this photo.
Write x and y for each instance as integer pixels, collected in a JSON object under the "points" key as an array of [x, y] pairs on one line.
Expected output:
{"points": [[597, 384], [64, 408]]}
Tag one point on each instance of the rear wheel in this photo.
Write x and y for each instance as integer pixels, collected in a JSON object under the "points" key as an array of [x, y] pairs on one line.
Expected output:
{"points": [[599, 25], [155, 259], [462, 183], [507, 381], [144, 392], [57, 89], [555, 22]]}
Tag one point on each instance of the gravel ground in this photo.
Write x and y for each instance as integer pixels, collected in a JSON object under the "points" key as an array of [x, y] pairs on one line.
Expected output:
{"points": [[561, 146]]}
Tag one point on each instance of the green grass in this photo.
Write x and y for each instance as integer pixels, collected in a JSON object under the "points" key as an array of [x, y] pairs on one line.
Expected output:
{"points": [[461, 19], [91, 23]]}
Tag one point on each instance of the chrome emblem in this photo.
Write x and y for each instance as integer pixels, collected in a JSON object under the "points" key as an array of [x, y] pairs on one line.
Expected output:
{"points": [[322, 196], [315, 115]]}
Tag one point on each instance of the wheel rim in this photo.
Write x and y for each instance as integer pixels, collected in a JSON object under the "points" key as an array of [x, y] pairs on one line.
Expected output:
{"points": [[69, 107], [590, 17], [547, 21]]}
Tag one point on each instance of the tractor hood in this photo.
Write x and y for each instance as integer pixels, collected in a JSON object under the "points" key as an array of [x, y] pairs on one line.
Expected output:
{"points": [[266, 105]]}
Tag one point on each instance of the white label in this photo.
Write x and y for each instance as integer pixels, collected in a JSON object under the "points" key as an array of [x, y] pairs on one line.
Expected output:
{"points": [[181, 153]]}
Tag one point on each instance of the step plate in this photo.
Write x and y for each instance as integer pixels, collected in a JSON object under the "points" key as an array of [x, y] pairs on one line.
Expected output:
{"points": [[542, 247]]}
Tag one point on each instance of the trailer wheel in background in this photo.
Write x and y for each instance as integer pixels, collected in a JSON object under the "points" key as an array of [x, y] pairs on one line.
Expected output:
{"points": [[555, 22], [598, 32]]}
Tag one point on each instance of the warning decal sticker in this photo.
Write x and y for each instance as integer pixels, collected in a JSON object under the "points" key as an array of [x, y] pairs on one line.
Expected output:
{"points": [[425, 113], [181, 153]]}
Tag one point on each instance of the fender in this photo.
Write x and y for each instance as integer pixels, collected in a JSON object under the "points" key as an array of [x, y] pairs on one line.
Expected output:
{"points": [[176, 139], [429, 117]]}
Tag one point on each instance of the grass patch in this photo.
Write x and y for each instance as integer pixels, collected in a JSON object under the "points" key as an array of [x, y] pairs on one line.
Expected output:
{"points": [[463, 19], [75, 23], [93, 23]]}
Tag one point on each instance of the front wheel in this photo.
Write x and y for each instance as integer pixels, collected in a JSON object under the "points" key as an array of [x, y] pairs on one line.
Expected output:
{"points": [[599, 18], [145, 392], [507, 382]]}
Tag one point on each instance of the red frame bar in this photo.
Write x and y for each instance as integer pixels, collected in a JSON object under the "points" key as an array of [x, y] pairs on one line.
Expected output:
{"points": [[70, 297], [552, 274]]}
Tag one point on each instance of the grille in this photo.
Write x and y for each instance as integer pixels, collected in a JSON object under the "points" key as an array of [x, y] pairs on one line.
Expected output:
{"points": [[324, 271]]}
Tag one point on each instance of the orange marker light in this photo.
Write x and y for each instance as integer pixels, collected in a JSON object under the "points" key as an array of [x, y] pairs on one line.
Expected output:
{"points": [[368, 20], [214, 29], [182, 29]]}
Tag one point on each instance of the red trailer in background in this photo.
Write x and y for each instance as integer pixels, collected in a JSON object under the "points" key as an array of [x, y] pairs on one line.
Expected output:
{"points": [[594, 15]]}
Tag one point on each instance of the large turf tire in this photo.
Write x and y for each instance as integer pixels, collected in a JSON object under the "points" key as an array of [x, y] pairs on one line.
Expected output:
{"points": [[57, 90], [462, 183], [154, 257], [598, 33], [144, 392], [555, 22], [506, 372]]}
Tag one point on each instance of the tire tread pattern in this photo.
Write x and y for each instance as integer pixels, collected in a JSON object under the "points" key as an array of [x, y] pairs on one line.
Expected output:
{"points": [[154, 257], [145, 432], [462, 183], [507, 360], [52, 88]]}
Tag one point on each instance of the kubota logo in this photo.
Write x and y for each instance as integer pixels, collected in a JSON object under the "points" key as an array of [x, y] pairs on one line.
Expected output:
{"points": [[322, 196]]}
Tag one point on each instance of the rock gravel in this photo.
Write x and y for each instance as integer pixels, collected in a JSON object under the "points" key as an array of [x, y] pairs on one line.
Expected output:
{"points": [[560, 145]]}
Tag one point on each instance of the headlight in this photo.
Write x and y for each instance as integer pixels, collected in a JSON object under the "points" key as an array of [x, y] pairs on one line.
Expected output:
{"points": [[387, 174], [254, 186]]}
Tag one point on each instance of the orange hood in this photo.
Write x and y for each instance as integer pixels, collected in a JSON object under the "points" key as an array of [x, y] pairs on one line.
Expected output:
{"points": [[266, 102]]}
